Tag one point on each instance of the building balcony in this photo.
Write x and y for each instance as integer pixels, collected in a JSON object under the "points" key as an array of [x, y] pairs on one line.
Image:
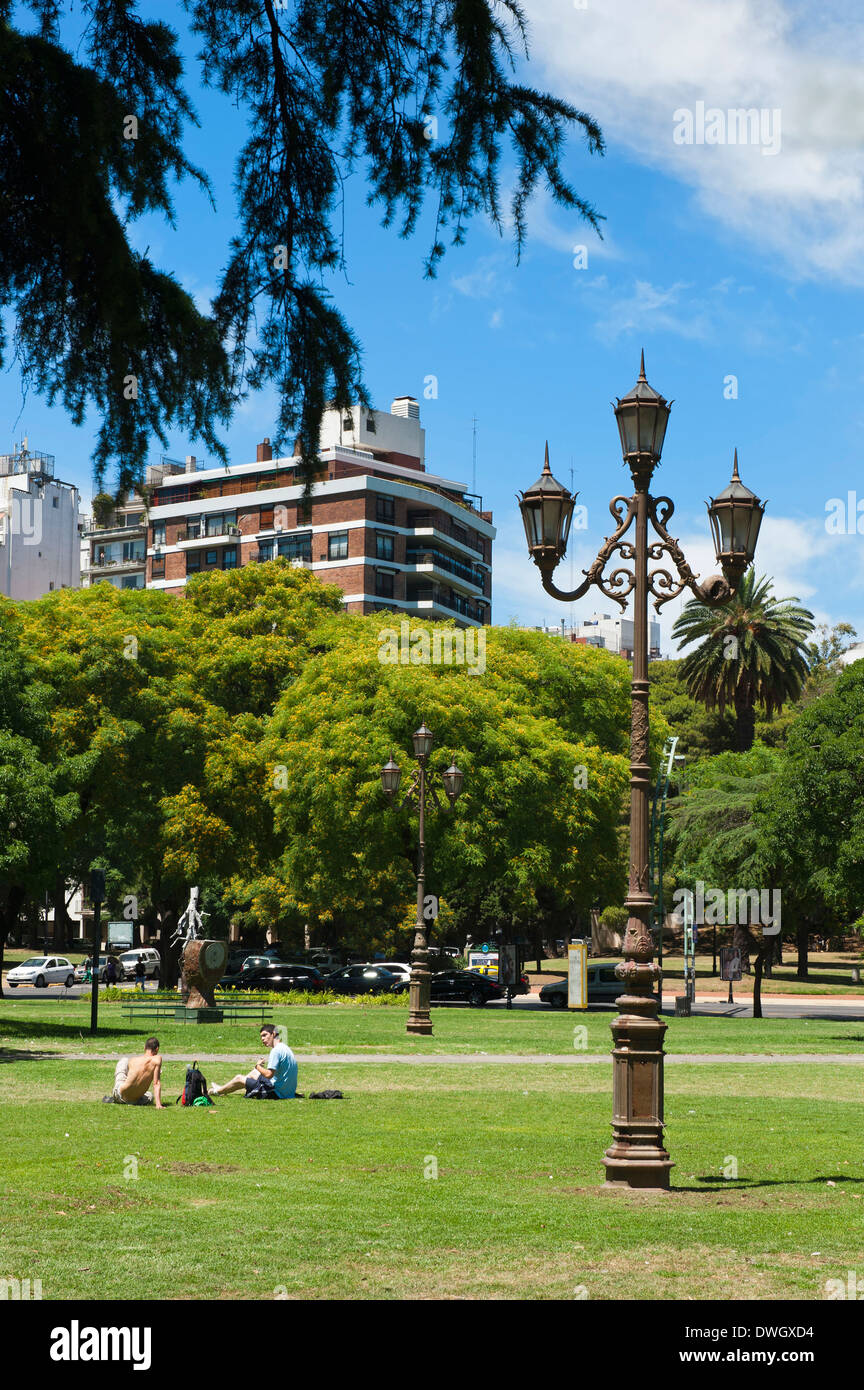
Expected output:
{"points": [[115, 532], [114, 566], [425, 524], [433, 596], [199, 535], [436, 560]]}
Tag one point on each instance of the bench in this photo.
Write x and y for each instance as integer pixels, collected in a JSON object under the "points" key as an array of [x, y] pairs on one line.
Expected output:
{"points": [[164, 1009]]}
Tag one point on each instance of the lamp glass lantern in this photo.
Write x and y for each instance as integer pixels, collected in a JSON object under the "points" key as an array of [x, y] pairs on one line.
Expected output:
{"points": [[735, 516], [390, 775], [642, 417], [452, 779], [547, 511], [422, 740]]}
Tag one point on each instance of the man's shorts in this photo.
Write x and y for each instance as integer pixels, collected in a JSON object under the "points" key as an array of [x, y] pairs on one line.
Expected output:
{"points": [[261, 1086], [121, 1071]]}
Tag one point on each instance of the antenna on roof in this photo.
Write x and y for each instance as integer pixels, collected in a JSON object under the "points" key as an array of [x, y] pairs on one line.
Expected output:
{"points": [[474, 457]]}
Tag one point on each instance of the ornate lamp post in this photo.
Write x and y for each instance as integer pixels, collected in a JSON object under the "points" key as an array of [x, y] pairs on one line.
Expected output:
{"points": [[423, 781], [637, 1157]]}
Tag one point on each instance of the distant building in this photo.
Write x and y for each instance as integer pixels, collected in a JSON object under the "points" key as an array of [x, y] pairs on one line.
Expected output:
{"points": [[602, 630], [114, 548], [851, 654], [391, 535], [39, 527]]}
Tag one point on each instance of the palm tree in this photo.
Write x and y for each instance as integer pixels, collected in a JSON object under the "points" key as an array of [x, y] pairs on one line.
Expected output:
{"points": [[752, 652]]}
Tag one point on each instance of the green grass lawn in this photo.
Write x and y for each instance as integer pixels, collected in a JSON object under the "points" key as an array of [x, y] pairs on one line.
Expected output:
{"points": [[42, 1026], [337, 1199]]}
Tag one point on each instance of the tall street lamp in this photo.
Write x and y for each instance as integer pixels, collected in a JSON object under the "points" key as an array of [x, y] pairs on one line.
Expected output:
{"points": [[422, 781], [637, 1157]]}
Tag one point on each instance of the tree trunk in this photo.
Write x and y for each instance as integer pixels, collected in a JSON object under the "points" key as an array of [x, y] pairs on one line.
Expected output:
{"points": [[745, 721], [757, 984], [10, 908], [802, 972]]}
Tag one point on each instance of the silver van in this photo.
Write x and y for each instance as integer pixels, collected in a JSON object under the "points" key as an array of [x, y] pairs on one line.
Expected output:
{"points": [[152, 962]]}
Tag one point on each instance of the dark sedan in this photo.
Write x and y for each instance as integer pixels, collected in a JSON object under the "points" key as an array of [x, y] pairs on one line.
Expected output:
{"points": [[461, 987], [280, 978], [361, 979]]}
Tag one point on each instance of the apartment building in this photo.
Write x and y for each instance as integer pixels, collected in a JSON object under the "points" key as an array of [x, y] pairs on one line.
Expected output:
{"points": [[114, 546], [602, 630], [390, 534], [39, 526]]}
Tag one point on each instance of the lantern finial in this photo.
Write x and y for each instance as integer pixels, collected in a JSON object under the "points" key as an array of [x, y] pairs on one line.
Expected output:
{"points": [[642, 376], [735, 467]]}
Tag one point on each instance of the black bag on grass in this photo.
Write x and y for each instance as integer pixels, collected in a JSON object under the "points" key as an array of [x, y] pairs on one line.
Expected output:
{"points": [[195, 1088], [326, 1095]]}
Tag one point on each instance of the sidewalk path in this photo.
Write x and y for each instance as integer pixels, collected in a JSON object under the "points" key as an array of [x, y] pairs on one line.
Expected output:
{"points": [[489, 1059]]}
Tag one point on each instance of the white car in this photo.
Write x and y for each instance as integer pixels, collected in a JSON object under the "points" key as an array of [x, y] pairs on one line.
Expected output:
{"points": [[41, 971], [152, 962], [399, 967]]}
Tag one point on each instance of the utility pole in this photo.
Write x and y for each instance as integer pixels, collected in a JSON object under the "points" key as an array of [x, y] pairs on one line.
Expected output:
{"points": [[97, 897]]}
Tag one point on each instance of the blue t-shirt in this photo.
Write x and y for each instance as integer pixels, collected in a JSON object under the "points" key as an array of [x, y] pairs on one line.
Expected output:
{"points": [[283, 1064]]}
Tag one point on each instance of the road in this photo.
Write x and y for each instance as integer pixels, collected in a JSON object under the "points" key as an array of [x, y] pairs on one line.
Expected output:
{"points": [[814, 1006]]}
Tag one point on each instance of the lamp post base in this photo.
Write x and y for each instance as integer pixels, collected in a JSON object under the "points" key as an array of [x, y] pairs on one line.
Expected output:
{"points": [[419, 1023], [636, 1157]]}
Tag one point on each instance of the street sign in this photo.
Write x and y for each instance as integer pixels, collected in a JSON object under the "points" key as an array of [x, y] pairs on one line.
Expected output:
{"points": [[730, 963], [121, 934], [507, 965], [577, 975], [484, 962]]}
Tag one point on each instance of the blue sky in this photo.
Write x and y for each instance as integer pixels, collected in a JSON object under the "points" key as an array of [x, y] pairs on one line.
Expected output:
{"points": [[721, 261]]}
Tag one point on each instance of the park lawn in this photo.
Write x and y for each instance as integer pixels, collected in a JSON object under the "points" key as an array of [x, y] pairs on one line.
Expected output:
{"points": [[63, 1027], [339, 1199]]}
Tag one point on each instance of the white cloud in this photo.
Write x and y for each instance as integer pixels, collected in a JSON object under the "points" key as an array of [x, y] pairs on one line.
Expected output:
{"points": [[633, 63]]}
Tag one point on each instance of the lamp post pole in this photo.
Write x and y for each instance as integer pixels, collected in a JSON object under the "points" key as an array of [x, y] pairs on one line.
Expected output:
{"points": [[419, 1020], [637, 1157]]}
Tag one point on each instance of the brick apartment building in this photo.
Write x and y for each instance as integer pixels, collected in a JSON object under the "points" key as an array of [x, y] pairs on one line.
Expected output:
{"points": [[390, 534]]}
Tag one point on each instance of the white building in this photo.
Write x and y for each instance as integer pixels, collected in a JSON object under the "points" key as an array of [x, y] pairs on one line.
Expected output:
{"points": [[602, 630], [39, 527]]}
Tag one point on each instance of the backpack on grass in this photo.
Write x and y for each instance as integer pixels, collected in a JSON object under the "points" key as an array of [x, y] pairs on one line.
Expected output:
{"points": [[195, 1089]]}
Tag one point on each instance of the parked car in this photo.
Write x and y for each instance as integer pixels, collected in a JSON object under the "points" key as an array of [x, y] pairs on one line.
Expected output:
{"points": [[278, 977], [362, 979], [83, 967], [398, 967], [129, 959], [460, 987], [41, 971], [603, 988]]}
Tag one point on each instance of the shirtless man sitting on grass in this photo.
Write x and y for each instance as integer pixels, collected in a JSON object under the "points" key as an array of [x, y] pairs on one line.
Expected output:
{"points": [[133, 1077]]}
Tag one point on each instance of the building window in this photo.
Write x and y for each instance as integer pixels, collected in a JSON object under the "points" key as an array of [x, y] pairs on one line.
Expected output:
{"points": [[158, 571], [337, 545], [218, 525], [265, 519], [229, 557], [385, 509], [159, 533], [370, 424], [55, 501], [211, 559], [383, 584], [297, 546], [384, 546]]}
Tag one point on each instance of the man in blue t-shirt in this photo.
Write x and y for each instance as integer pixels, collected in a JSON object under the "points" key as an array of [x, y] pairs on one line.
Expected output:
{"points": [[277, 1073]]}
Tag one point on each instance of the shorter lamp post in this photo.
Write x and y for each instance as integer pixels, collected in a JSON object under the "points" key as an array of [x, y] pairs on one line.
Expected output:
{"points": [[97, 897], [422, 782]]}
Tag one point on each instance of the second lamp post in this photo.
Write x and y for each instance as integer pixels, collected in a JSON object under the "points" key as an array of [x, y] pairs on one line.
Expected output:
{"points": [[422, 782]]}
